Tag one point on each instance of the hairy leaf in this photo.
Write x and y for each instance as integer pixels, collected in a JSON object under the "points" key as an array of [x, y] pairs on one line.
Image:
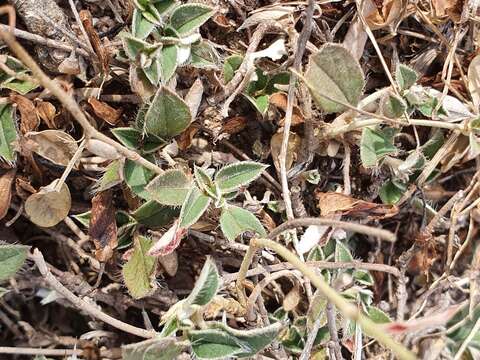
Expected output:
{"points": [[187, 18], [137, 177], [12, 258], [206, 286], [141, 27], [154, 349], [234, 221], [155, 215], [194, 206], [374, 145], [8, 133], [168, 62], [406, 77], [233, 176], [170, 188]]}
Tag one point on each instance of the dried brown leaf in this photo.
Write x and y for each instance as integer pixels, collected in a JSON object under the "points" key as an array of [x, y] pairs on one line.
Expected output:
{"points": [[47, 112], [234, 125], [6, 180], [103, 56], [48, 207], [292, 299], [105, 111], [336, 203], [294, 144], [103, 227], [184, 140], [54, 145], [280, 101], [29, 120], [170, 263]]}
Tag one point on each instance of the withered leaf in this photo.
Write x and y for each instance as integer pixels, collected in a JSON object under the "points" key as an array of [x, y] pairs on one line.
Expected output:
{"points": [[47, 112], [54, 145], [185, 138], [6, 180], [234, 125], [29, 120], [87, 22], [294, 143], [336, 203], [105, 111], [103, 227], [279, 100]]}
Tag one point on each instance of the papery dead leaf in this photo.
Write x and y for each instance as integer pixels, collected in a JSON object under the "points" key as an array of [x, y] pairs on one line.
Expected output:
{"points": [[99, 49], [47, 112], [29, 120], [184, 140], [6, 180], [294, 143], [48, 207], [103, 226], [336, 203], [54, 145], [23, 188], [280, 101], [194, 97], [452, 9], [105, 111], [474, 81], [170, 263], [102, 149], [234, 125], [275, 13], [311, 237], [167, 242], [386, 15], [292, 299], [219, 303]]}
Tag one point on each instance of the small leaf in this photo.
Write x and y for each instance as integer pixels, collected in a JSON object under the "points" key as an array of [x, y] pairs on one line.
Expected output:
{"points": [[133, 46], [154, 215], [213, 344], [206, 286], [333, 71], [134, 139], [153, 70], [390, 193], [363, 277], [342, 253], [393, 106], [103, 226], [317, 310], [111, 177], [8, 133], [154, 349], [141, 27], [168, 115], [235, 175], [234, 221], [406, 77], [6, 181], [204, 56], [3, 291], [194, 206], [260, 103], [231, 64], [168, 62], [378, 316], [204, 182], [138, 273], [170, 188], [12, 258], [137, 177], [187, 18], [374, 145], [48, 207]]}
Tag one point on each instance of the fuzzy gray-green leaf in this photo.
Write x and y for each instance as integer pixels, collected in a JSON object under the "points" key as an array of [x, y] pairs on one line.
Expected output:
{"points": [[206, 286], [12, 258], [374, 145], [139, 271], [166, 348], [170, 188], [232, 176], [406, 77], [234, 221], [8, 133], [334, 72], [168, 115], [168, 62], [187, 18], [141, 27], [194, 206]]}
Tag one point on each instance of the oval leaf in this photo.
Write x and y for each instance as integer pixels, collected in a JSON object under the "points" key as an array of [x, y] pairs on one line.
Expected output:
{"points": [[194, 206], [232, 176], [235, 221], [206, 286], [334, 72], [168, 115], [170, 188], [8, 133], [189, 17]]}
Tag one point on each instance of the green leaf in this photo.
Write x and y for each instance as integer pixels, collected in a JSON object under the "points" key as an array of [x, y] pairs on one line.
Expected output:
{"points": [[168, 115], [134, 139], [206, 286], [204, 56], [378, 316], [433, 144], [194, 206], [204, 182], [406, 77], [139, 272], [141, 27], [221, 341], [317, 310], [168, 62], [231, 64], [8, 133], [374, 145], [234, 221], [13, 83], [154, 349], [153, 71], [390, 193], [363, 277], [170, 188], [342, 253], [154, 215], [133, 46], [187, 18], [235, 175], [393, 106], [260, 103], [137, 177], [84, 218], [111, 177], [333, 71], [12, 258]]}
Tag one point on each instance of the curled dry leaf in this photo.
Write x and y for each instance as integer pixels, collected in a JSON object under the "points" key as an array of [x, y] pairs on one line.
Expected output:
{"points": [[105, 111], [474, 81], [168, 242], [103, 227], [294, 143], [48, 207], [29, 120], [234, 125], [336, 203], [184, 140], [103, 56], [280, 101], [387, 14], [452, 9], [292, 299], [54, 145], [47, 112], [194, 97], [6, 180]]}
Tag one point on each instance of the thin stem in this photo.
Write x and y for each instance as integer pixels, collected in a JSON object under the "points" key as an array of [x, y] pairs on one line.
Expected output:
{"points": [[347, 309], [70, 104], [81, 304], [242, 275], [37, 351], [358, 228]]}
